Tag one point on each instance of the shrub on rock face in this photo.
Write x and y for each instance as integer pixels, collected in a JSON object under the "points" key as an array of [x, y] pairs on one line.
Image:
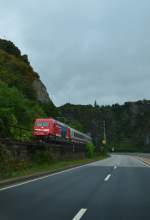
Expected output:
{"points": [[16, 109], [9, 47]]}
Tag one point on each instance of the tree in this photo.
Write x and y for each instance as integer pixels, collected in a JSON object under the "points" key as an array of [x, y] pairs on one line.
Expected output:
{"points": [[95, 104]]}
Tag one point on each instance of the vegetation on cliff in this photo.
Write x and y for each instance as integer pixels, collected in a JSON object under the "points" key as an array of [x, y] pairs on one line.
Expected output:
{"points": [[21, 100]]}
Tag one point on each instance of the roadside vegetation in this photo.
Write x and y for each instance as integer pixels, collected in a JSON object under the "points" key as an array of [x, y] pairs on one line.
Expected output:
{"points": [[90, 150], [42, 161]]}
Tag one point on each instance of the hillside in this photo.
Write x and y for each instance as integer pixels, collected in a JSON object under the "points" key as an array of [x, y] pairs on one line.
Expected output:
{"points": [[23, 96], [127, 125]]}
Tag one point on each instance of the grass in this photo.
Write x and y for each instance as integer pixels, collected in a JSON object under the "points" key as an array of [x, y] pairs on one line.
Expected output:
{"points": [[50, 167]]}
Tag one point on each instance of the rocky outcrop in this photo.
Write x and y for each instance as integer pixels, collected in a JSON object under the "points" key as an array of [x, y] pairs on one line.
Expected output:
{"points": [[20, 70], [16, 71], [41, 91]]}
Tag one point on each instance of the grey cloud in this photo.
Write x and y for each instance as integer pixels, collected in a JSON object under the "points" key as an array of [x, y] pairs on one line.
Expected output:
{"points": [[85, 49]]}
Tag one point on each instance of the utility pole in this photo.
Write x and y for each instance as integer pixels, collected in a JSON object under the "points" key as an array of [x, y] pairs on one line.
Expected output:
{"points": [[104, 127]]}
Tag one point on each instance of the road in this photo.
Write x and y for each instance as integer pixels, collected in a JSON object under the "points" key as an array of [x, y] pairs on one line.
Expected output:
{"points": [[117, 188]]}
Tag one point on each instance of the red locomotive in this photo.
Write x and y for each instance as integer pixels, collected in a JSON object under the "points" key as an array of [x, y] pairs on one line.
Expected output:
{"points": [[50, 129]]}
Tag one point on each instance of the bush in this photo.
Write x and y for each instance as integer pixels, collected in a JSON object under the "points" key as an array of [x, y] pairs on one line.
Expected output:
{"points": [[16, 110], [90, 150], [9, 47], [5, 161], [104, 149]]}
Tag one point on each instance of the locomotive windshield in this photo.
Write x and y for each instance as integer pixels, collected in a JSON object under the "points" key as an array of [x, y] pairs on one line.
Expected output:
{"points": [[41, 123]]}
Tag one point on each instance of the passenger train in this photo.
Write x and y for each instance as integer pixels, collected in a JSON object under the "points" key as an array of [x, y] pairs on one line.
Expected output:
{"points": [[49, 129]]}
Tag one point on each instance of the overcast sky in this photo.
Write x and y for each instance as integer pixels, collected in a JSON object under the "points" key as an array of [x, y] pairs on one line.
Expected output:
{"points": [[84, 50]]}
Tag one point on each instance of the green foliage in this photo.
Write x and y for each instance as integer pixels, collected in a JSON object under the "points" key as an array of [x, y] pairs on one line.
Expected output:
{"points": [[5, 158], [90, 150], [40, 157], [127, 126], [25, 59], [75, 124], [104, 149], [19, 104], [16, 72], [9, 47], [49, 109], [16, 110]]}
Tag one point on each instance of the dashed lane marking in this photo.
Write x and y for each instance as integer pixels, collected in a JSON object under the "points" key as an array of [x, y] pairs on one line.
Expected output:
{"points": [[79, 214], [107, 177]]}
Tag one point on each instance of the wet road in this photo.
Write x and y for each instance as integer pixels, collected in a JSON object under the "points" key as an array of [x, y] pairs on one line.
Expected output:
{"points": [[115, 188]]}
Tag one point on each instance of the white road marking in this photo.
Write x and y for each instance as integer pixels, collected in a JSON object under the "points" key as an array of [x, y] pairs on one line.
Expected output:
{"points": [[79, 214], [107, 177], [43, 177], [115, 167]]}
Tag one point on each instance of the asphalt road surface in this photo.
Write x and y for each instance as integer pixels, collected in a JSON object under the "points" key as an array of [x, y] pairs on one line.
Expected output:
{"points": [[117, 188]]}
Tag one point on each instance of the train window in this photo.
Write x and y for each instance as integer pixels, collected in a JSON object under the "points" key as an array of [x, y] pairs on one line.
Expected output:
{"points": [[79, 135], [41, 123], [45, 123]]}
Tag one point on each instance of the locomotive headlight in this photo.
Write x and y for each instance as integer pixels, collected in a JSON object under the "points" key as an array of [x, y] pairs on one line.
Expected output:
{"points": [[39, 129], [45, 130]]}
